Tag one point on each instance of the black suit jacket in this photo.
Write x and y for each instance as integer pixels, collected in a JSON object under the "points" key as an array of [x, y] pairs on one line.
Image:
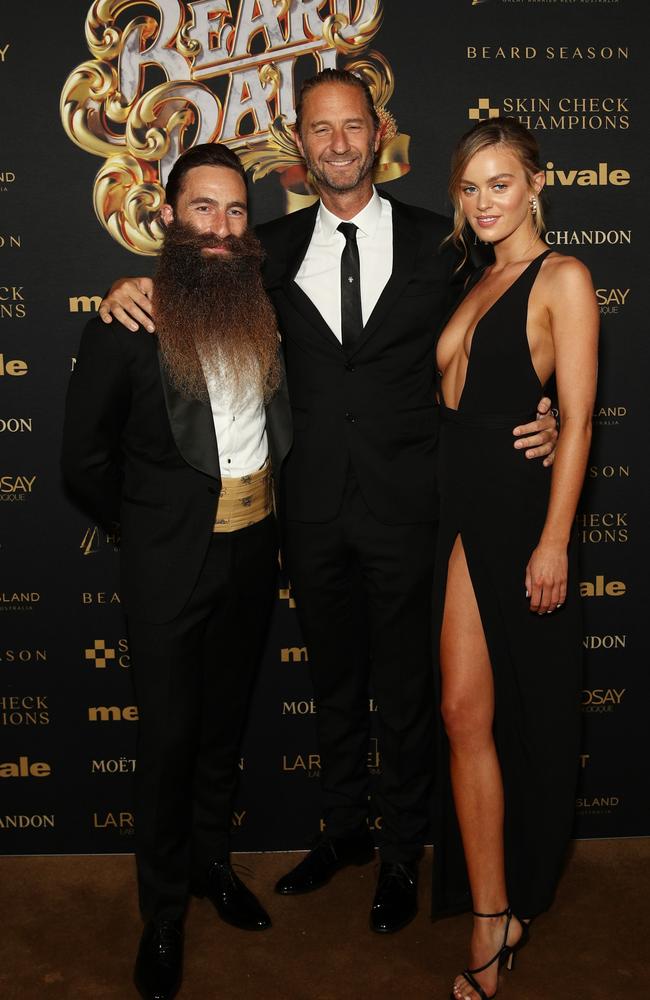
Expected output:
{"points": [[137, 452], [374, 409]]}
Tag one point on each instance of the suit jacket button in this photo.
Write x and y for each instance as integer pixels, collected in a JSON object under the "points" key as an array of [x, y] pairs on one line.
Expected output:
{"points": [[350, 417], [350, 368]]}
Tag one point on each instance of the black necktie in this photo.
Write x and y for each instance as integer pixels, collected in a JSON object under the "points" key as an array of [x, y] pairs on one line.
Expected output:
{"points": [[351, 315]]}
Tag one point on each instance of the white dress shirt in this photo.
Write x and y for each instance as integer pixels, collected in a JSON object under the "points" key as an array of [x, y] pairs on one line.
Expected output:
{"points": [[240, 427], [319, 275]]}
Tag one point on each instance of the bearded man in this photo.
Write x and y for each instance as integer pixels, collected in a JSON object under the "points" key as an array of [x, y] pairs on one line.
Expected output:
{"points": [[174, 437]]}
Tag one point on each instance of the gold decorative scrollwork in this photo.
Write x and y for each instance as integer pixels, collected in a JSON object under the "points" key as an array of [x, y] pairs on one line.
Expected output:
{"points": [[111, 107], [336, 24], [161, 111], [83, 95], [187, 46], [393, 159], [269, 76], [103, 38], [127, 200], [380, 78], [278, 152]]}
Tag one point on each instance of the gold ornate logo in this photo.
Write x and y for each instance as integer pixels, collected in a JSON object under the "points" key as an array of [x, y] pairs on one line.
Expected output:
{"points": [[115, 107]]}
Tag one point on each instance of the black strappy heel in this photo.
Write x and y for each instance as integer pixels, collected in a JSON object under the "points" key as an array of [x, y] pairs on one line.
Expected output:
{"points": [[504, 956]]}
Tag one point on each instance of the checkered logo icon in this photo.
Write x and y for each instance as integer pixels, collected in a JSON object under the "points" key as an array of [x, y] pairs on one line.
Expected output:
{"points": [[483, 111], [100, 653], [284, 594]]}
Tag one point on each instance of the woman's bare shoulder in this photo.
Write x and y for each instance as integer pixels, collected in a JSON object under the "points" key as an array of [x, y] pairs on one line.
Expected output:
{"points": [[564, 277], [559, 267]]}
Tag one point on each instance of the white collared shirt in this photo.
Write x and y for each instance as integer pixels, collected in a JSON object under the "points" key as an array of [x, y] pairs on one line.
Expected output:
{"points": [[319, 275], [240, 427]]}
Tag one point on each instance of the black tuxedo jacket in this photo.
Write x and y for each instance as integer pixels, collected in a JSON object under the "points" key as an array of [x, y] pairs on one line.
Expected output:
{"points": [[138, 453], [372, 410]]}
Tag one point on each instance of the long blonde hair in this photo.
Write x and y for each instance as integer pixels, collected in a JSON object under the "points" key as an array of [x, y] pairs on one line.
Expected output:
{"points": [[495, 131]]}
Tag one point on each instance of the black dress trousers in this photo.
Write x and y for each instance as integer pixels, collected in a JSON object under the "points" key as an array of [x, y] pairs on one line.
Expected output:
{"points": [[193, 678], [363, 595]]}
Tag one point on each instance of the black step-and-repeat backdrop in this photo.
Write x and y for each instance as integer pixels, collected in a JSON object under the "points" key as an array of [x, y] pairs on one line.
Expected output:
{"points": [[96, 104]]}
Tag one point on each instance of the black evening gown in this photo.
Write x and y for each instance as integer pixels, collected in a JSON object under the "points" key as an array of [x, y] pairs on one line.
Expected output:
{"points": [[496, 499]]}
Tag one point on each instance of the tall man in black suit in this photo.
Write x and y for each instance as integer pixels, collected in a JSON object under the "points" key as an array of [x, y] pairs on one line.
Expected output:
{"points": [[171, 437], [359, 286]]}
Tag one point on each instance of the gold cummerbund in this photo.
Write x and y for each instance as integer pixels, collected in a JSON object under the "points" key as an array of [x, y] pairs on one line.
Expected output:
{"points": [[244, 500]]}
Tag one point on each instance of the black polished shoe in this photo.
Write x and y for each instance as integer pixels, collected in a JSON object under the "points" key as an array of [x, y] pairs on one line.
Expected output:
{"points": [[159, 965], [328, 857], [233, 901], [396, 899]]}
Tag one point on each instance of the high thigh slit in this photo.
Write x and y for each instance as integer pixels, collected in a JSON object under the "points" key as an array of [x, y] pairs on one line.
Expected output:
{"points": [[496, 500]]}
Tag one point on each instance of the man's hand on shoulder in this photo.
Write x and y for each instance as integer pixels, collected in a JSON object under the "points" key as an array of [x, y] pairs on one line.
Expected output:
{"points": [[539, 438], [129, 301]]}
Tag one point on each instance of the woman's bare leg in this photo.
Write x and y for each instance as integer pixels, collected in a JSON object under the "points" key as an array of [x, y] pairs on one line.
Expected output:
{"points": [[468, 714]]}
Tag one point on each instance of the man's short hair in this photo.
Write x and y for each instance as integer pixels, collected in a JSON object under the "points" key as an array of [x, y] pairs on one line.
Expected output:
{"points": [[335, 76], [207, 154]]}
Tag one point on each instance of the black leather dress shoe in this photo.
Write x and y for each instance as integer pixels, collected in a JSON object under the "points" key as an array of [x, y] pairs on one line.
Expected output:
{"points": [[396, 899], [159, 965], [328, 857], [233, 901]]}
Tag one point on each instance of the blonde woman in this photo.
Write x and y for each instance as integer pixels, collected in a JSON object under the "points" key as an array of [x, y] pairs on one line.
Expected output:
{"points": [[510, 629]]}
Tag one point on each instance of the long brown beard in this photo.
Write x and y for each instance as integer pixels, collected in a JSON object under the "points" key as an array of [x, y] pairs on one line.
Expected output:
{"points": [[212, 315]]}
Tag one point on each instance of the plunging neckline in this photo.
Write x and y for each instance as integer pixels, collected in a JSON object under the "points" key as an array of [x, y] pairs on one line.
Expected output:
{"points": [[489, 309]]}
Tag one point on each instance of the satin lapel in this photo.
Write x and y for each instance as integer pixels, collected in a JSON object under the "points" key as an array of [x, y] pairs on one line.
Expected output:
{"points": [[405, 249], [278, 424], [296, 251], [192, 426]]}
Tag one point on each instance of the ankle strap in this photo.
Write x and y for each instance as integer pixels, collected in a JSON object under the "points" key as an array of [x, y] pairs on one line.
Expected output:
{"points": [[504, 913]]}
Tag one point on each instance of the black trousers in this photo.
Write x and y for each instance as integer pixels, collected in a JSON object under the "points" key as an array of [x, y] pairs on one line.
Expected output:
{"points": [[193, 679], [363, 594]]}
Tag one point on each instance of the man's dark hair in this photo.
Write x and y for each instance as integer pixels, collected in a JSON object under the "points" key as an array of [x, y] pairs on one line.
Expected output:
{"points": [[335, 76], [208, 154]]}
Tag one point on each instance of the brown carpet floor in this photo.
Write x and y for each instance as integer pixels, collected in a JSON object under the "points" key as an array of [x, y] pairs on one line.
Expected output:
{"points": [[70, 930]]}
